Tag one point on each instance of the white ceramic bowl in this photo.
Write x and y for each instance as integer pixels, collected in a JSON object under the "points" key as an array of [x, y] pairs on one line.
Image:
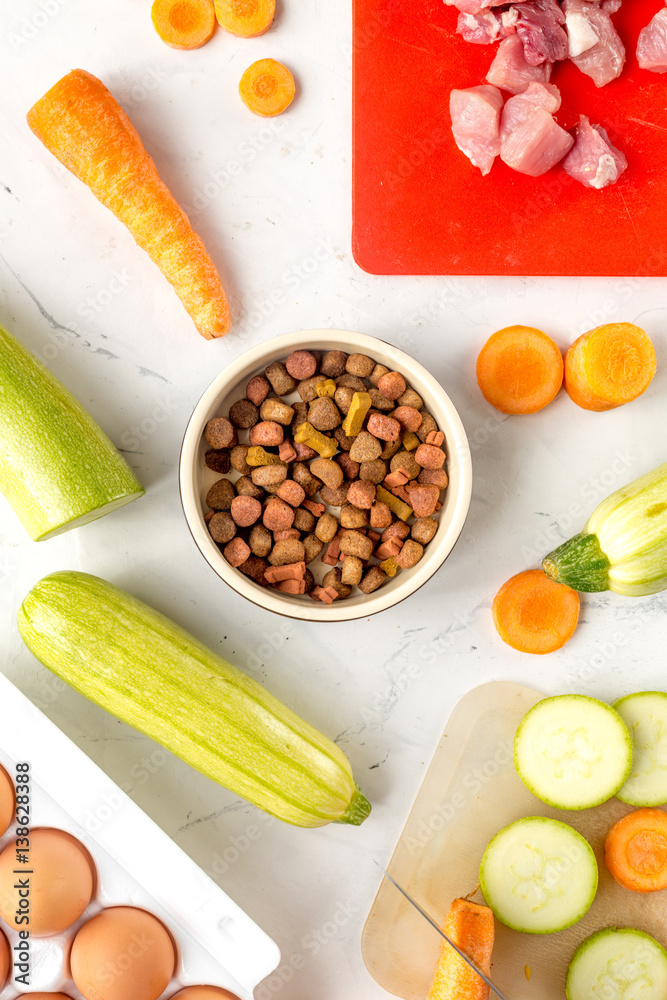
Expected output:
{"points": [[196, 479]]}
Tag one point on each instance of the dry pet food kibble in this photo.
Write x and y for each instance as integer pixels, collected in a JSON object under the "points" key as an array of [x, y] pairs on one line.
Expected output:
{"points": [[329, 457]]}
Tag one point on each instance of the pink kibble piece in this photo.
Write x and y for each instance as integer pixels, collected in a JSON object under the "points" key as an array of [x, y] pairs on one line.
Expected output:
{"points": [[383, 427], [399, 529], [361, 494], [291, 492], [301, 364], [429, 457], [287, 451], [315, 508], [245, 511], [284, 536], [257, 389], [267, 433], [409, 418], [278, 515], [236, 552], [291, 586], [392, 385], [398, 478], [325, 594], [436, 438], [423, 498], [304, 452]]}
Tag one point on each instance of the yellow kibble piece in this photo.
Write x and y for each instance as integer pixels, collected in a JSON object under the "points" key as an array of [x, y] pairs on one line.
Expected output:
{"points": [[327, 388], [325, 446], [390, 566], [359, 407], [400, 509], [410, 441], [258, 456]]}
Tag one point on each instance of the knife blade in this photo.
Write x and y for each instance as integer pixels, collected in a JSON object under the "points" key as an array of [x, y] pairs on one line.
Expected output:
{"points": [[442, 934]]}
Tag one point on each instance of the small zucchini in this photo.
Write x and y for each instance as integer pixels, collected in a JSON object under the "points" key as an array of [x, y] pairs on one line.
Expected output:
{"points": [[153, 675], [623, 546]]}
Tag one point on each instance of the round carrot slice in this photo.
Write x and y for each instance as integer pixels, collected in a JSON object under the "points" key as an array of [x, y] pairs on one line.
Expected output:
{"points": [[534, 614], [245, 18], [519, 369], [184, 24], [609, 366], [267, 87], [635, 850]]}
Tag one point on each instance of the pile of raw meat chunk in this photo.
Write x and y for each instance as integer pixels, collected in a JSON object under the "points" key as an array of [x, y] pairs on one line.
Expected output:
{"points": [[532, 35]]}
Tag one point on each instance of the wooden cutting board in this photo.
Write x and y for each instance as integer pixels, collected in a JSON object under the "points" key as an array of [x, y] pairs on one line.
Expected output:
{"points": [[420, 207], [470, 792]]}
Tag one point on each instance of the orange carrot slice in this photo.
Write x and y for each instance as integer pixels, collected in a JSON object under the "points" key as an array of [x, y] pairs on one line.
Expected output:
{"points": [[635, 850], [609, 366], [519, 369], [246, 18], [184, 24], [267, 87], [471, 927], [86, 129], [534, 614]]}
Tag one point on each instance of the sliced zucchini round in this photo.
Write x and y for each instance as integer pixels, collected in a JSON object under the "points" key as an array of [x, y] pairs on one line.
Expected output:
{"points": [[572, 752], [538, 875], [618, 963], [645, 715]]}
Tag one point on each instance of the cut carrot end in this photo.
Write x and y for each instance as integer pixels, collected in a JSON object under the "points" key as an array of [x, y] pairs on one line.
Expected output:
{"points": [[636, 850], [267, 88], [534, 614], [471, 927], [519, 370], [184, 24], [609, 366], [245, 18]]}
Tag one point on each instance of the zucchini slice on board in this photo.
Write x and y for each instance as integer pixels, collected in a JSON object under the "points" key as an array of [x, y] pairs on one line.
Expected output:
{"points": [[645, 715], [539, 875], [618, 963], [572, 752]]}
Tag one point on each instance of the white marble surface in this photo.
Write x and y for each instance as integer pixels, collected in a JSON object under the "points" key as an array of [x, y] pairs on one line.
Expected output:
{"points": [[76, 290]]}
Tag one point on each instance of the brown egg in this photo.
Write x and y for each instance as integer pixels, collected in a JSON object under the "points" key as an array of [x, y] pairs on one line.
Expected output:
{"points": [[6, 800], [5, 959], [55, 887], [205, 993], [123, 953]]}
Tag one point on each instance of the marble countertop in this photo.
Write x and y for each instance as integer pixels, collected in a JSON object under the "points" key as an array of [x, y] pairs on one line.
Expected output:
{"points": [[272, 201]]}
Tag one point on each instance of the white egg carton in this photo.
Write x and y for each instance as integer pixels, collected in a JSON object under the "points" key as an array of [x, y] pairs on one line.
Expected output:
{"points": [[137, 864]]}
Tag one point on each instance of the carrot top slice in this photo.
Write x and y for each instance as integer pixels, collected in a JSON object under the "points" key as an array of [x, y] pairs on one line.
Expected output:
{"points": [[636, 850], [267, 87], [245, 18], [471, 927], [184, 24], [534, 614], [609, 366], [519, 369]]}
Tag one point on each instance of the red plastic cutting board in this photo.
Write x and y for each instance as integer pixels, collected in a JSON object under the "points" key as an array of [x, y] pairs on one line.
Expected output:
{"points": [[420, 207]]}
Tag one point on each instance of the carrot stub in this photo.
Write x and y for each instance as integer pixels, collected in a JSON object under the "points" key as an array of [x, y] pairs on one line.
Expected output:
{"points": [[635, 850], [246, 18], [470, 926], [519, 369], [267, 87], [609, 366], [80, 122], [534, 614], [184, 24]]}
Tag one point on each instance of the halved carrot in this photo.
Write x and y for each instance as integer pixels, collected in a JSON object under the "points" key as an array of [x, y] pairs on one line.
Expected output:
{"points": [[184, 24], [609, 366], [471, 927], [534, 614], [635, 850], [519, 369], [86, 129], [267, 87], [246, 18]]}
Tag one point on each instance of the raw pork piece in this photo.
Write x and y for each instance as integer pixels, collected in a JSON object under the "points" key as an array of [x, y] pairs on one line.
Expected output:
{"points": [[652, 44], [593, 160], [476, 123], [604, 61], [510, 71], [480, 29], [530, 140], [475, 6], [539, 28]]}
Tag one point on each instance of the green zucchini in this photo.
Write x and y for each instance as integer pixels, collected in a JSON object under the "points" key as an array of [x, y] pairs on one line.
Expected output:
{"points": [[150, 673], [58, 469], [623, 546]]}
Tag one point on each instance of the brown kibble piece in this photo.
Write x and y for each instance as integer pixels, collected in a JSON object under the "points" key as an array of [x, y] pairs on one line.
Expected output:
{"points": [[301, 364], [328, 471], [260, 540], [352, 571], [304, 520], [220, 495], [365, 448], [384, 428], [323, 414], [349, 466], [377, 374], [373, 472], [362, 494], [410, 398], [238, 459], [333, 579], [334, 498], [423, 498], [438, 477], [379, 401], [269, 476], [267, 434], [392, 385], [255, 567], [390, 449], [222, 527], [359, 364], [245, 487], [326, 527], [287, 552], [220, 433], [236, 551], [308, 581], [304, 452], [302, 475], [243, 414], [408, 417], [353, 382], [312, 546], [307, 388], [353, 517], [410, 554], [427, 425], [430, 457], [343, 398], [405, 460], [291, 493], [281, 381], [423, 530], [274, 409], [245, 511], [355, 544], [257, 389], [344, 442], [218, 460], [300, 412], [372, 579], [380, 516], [333, 363]]}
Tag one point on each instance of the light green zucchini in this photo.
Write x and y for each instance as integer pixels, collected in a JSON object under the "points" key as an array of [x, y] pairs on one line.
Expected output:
{"points": [[58, 469], [623, 546], [150, 673]]}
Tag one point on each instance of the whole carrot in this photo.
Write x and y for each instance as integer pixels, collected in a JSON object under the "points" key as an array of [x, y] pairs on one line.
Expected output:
{"points": [[80, 122]]}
